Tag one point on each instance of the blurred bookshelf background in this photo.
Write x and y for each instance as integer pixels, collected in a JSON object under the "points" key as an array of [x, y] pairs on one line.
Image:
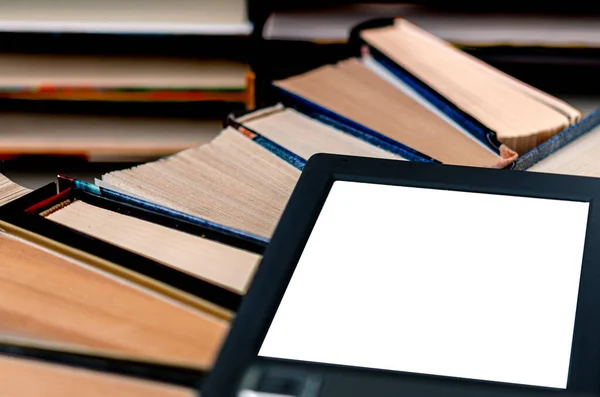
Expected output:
{"points": [[88, 86]]}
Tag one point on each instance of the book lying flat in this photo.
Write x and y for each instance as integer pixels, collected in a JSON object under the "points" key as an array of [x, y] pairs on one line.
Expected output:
{"points": [[54, 295], [97, 94], [223, 265], [10, 191], [232, 181], [334, 24], [48, 72], [101, 137], [306, 136], [227, 17], [32, 378], [70, 77], [351, 89], [521, 116]]}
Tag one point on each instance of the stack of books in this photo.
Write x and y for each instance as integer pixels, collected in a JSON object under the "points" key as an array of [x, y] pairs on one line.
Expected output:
{"points": [[113, 62], [146, 267]]}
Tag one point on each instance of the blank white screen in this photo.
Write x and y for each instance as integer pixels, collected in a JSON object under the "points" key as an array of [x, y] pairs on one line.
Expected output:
{"points": [[468, 285]]}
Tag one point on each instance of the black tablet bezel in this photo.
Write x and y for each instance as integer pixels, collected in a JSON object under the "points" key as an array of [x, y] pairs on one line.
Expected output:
{"points": [[260, 304]]}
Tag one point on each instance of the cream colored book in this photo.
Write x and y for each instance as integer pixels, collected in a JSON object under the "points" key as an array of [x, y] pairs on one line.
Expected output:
{"points": [[101, 138], [232, 181], [305, 136], [119, 72], [10, 191], [222, 265], [31, 378], [225, 17], [580, 157], [522, 116]]}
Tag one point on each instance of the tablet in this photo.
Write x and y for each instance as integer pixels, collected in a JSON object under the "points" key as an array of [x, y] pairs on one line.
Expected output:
{"points": [[422, 272]]}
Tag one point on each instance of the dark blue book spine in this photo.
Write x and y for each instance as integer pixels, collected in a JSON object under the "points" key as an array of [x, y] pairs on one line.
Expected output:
{"points": [[126, 199], [281, 152], [558, 141], [351, 127], [466, 121], [286, 155]]}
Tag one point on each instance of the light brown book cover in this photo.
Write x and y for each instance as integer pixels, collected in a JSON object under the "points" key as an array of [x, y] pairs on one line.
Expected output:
{"points": [[31, 378]]}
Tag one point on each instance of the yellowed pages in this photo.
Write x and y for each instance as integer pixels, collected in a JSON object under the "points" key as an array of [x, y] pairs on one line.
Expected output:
{"points": [[30, 378], [226, 266], [232, 181], [522, 116], [580, 157], [47, 297], [572, 113], [83, 71], [10, 191], [305, 136], [128, 16], [352, 90], [98, 137]]}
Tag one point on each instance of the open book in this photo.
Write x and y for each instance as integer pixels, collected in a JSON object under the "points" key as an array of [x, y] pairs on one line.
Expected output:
{"points": [[426, 94], [10, 191]]}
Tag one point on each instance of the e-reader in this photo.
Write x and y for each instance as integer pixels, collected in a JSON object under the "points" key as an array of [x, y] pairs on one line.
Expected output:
{"points": [[395, 277]]}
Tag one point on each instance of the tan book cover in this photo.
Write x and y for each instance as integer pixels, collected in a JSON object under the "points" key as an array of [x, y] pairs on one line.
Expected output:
{"points": [[31, 378]]}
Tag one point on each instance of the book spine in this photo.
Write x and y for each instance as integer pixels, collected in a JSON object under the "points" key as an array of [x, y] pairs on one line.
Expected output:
{"points": [[50, 202], [353, 128], [286, 155], [558, 141], [281, 152], [252, 242], [355, 41], [444, 105]]}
